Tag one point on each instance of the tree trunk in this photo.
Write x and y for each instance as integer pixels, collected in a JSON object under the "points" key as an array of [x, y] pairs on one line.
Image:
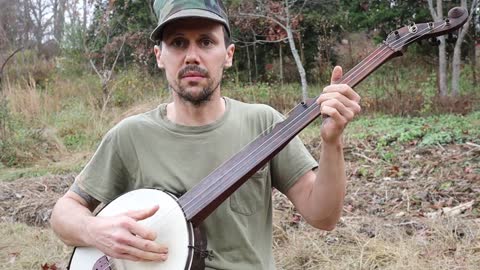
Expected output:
{"points": [[442, 67], [249, 66], [59, 19], [437, 15], [237, 72], [84, 23], [255, 64], [298, 62], [474, 54], [296, 56], [302, 52], [27, 23], [457, 51], [280, 60]]}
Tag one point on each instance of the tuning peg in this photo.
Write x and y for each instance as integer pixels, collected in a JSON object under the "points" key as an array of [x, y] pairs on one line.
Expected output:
{"points": [[397, 34], [447, 22]]}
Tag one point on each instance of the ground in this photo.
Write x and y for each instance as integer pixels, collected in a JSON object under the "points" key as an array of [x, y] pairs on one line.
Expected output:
{"points": [[417, 210]]}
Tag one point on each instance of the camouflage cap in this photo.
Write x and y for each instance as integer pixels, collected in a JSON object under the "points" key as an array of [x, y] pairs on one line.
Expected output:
{"points": [[169, 10]]}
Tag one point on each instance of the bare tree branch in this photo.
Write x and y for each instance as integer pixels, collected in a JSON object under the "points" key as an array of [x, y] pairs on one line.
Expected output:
{"points": [[5, 63], [253, 15]]}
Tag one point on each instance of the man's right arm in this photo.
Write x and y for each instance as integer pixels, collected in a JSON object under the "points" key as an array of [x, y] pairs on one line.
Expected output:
{"points": [[70, 216], [119, 236]]}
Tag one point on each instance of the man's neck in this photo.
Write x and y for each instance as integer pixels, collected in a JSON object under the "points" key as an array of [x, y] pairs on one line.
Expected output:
{"points": [[184, 113]]}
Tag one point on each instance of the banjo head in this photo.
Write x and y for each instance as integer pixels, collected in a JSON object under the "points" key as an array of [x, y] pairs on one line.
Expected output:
{"points": [[168, 223]]}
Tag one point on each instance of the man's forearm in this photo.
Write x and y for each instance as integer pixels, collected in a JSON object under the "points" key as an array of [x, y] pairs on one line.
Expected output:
{"points": [[329, 188], [69, 220]]}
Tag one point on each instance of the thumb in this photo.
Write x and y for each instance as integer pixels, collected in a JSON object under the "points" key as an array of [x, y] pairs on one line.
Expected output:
{"points": [[142, 213], [337, 74]]}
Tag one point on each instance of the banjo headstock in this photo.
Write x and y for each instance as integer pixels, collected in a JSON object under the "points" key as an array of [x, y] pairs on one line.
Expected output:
{"points": [[399, 39]]}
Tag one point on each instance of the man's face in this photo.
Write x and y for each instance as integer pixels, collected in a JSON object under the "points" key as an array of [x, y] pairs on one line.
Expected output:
{"points": [[193, 54]]}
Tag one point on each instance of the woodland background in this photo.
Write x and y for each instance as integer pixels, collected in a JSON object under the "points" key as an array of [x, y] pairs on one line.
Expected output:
{"points": [[71, 69]]}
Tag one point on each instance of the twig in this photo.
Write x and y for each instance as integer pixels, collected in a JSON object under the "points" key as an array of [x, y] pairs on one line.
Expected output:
{"points": [[407, 223], [5, 63], [473, 144], [439, 145], [452, 211], [365, 157]]}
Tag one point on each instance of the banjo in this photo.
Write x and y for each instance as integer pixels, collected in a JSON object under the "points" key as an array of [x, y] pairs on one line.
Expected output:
{"points": [[186, 242]]}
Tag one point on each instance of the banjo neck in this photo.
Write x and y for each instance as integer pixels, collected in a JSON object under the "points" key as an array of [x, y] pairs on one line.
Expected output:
{"points": [[205, 197]]}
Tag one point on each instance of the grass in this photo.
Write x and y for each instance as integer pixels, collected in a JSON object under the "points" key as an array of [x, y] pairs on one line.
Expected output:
{"points": [[370, 243], [357, 243], [25, 247], [69, 164]]}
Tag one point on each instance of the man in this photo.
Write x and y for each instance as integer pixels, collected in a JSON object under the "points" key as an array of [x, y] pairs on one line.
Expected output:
{"points": [[174, 146]]}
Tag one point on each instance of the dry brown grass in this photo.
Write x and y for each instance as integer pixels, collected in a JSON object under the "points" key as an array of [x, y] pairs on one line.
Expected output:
{"points": [[27, 100], [28, 248], [366, 242], [357, 243]]}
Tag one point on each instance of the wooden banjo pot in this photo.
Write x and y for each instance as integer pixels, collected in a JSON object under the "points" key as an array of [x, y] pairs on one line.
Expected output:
{"points": [[186, 242]]}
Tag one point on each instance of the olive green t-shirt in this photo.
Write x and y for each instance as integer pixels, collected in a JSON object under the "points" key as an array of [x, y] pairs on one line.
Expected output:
{"points": [[148, 150]]}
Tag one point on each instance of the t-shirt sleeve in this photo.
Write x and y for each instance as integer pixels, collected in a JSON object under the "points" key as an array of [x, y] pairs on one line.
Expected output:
{"points": [[291, 163], [105, 176]]}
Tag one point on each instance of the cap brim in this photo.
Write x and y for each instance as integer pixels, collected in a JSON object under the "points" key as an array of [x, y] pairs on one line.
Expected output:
{"points": [[188, 13]]}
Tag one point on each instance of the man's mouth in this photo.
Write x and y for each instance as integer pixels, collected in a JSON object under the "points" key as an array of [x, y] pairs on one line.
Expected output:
{"points": [[193, 75], [193, 72]]}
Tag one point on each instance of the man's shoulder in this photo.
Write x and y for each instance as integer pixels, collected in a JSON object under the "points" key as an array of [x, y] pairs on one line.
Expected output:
{"points": [[135, 122]]}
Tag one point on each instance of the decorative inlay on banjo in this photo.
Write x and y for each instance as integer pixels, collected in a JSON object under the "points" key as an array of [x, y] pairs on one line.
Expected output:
{"points": [[187, 246]]}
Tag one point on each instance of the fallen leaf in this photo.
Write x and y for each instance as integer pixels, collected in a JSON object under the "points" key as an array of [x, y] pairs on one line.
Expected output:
{"points": [[13, 257], [49, 267]]}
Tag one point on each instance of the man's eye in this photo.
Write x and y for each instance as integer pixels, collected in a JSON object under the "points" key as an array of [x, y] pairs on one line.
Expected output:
{"points": [[206, 42], [178, 43]]}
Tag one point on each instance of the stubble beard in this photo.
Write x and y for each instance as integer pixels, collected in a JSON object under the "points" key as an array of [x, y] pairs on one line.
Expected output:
{"points": [[196, 99]]}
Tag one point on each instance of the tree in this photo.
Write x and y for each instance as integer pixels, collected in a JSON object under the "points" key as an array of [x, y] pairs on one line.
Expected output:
{"points": [[41, 19], [437, 15], [59, 7], [457, 52], [280, 22]]}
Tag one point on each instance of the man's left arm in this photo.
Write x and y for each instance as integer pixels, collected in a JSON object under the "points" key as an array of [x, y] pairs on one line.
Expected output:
{"points": [[319, 196]]}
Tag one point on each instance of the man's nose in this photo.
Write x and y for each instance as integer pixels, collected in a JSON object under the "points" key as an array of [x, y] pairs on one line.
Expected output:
{"points": [[192, 55]]}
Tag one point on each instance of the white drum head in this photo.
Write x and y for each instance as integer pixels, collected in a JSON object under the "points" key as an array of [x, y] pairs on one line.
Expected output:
{"points": [[168, 222]]}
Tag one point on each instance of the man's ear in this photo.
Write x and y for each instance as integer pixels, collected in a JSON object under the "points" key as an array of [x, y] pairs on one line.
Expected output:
{"points": [[158, 53], [229, 57]]}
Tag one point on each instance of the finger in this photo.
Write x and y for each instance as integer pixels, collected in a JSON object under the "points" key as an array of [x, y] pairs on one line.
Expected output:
{"points": [[141, 254], [337, 74], [125, 256], [147, 245], [344, 90], [344, 114], [334, 115], [142, 231], [143, 213], [354, 106]]}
